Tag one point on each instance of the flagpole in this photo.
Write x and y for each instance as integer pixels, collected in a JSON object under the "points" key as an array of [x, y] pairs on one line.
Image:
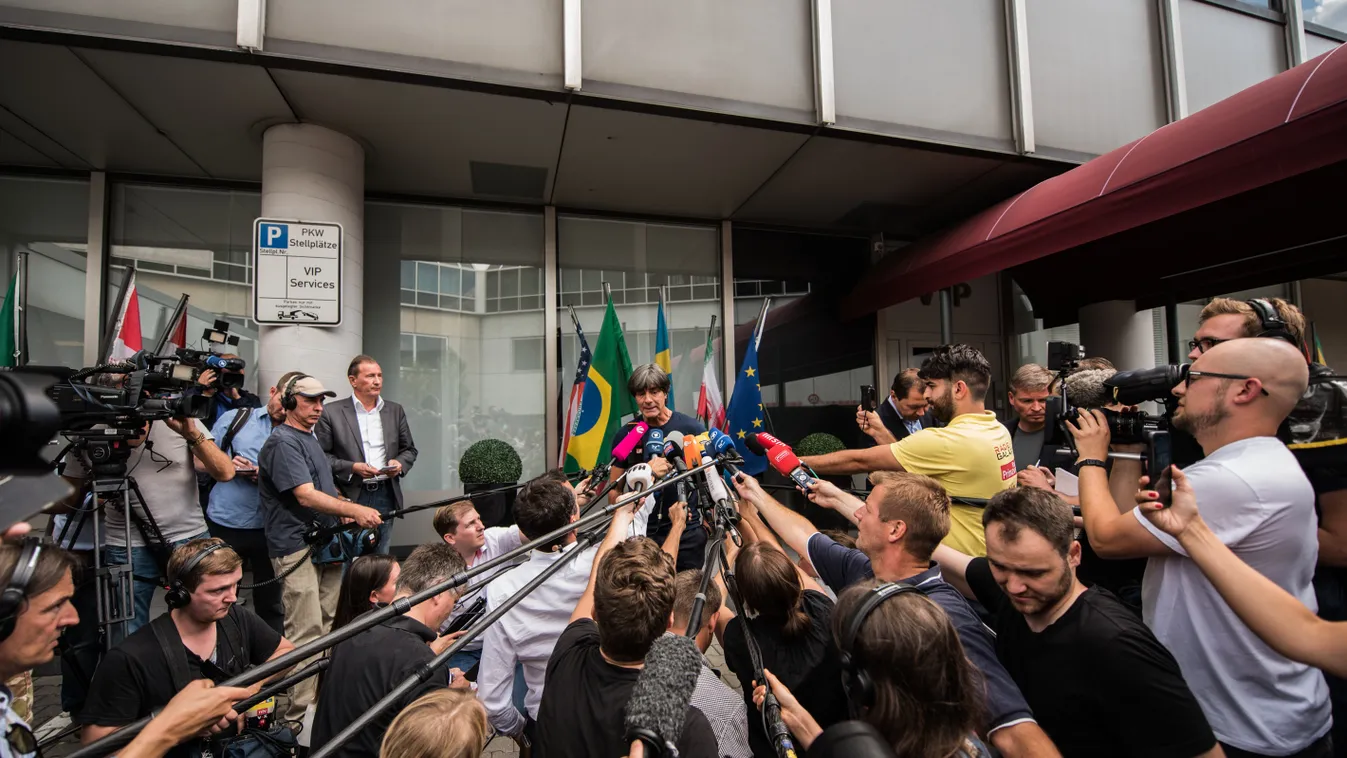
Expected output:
{"points": [[762, 322], [21, 312], [114, 324], [170, 325], [710, 340]]}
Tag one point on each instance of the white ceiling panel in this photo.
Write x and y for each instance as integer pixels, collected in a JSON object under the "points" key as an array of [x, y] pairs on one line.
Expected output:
{"points": [[637, 162], [49, 87], [423, 140], [209, 109], [830, 177]]}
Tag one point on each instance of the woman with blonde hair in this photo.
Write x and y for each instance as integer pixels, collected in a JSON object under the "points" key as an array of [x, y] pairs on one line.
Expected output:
{"points": [[443, 724]]}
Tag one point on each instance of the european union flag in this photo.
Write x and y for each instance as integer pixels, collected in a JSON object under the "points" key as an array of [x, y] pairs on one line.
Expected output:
{"points": [[745, 415]]}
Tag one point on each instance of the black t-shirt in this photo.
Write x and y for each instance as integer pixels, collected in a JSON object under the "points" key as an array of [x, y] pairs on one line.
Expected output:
{"points": [[1330, 582], [693, 544], [842, 567], [133, 679], [808, 665], [583, 711], [288, 459], [1099, 682], [365, 668]]}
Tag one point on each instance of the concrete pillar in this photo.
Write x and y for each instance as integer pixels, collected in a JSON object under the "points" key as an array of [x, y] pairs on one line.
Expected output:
{"points": [[311, 173], [1116, 330]]}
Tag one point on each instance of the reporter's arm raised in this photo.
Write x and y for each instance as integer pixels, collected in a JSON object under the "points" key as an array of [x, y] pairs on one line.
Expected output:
{"points": [[830, 496], [1113, 533], [617, 531], [794, 529], [879, 458], [1276, 616]]}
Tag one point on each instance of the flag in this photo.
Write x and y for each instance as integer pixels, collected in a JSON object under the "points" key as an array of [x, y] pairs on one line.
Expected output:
{"points": [[663, 357], [605, 401], [577, 394], [745, 415], [126, 339], [1316, 347], [9, 325], [710, 407], [174, 337]]}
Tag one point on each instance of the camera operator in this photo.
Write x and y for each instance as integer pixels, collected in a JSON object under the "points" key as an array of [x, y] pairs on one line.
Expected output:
{"points": [[296, 489], [971, 456], [234, 508], [224, 399], [36, 609], [1259, 503], [163, 466], [204, 635]]}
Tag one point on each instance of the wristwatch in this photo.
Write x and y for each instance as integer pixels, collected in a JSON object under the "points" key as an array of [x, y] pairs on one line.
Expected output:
{"points": [[1082, 463]]}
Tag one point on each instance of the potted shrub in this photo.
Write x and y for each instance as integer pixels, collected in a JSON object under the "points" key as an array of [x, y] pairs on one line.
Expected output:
{"points": [[487, 465], [821, 443]]}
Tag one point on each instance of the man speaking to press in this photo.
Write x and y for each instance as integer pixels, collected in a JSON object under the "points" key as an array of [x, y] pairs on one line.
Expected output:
{"points": [[650, 385]]}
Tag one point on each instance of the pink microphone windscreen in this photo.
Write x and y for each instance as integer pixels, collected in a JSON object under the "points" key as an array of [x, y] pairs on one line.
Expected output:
{"points": [[623, 449]]}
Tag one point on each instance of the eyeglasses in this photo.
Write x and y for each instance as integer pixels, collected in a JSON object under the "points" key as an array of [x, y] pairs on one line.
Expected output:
{"points": [[21, 740], [1204, 344], [1190, 375]]}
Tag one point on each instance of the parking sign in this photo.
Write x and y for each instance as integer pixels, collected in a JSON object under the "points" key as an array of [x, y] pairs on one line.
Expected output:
{"points": [[297, 272]]}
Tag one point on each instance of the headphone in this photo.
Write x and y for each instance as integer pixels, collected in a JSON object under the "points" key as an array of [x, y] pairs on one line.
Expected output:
{"points": [[178, 596], [288, 401], [16, 592], [1273, 325], [860, 688]]}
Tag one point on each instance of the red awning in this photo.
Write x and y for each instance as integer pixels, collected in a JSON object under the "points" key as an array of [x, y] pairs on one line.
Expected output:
{"points": [[1283, 140]]}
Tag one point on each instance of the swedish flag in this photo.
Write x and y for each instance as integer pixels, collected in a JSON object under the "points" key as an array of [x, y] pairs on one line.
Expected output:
{"points": [[746, 415], [663, 357], [606, 400]]}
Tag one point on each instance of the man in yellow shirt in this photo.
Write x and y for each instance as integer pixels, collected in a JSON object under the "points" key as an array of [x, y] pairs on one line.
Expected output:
{"points": [[972, 456]]}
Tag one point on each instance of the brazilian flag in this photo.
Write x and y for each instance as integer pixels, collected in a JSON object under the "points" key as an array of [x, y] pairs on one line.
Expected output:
{"points": [[606, 400]]}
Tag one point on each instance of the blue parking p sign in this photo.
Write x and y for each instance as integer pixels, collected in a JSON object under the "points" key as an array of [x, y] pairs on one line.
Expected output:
{"points": [[273, 236]]}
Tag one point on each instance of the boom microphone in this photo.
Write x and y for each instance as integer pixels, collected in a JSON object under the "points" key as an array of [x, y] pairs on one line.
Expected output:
{"points": [[784, 461], [1087, 389], [654, 444], [659, 702]]}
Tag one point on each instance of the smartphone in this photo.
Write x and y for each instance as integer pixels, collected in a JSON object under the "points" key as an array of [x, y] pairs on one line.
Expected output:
{"points": [[1159, 460], [388, 469], [869, 400]]}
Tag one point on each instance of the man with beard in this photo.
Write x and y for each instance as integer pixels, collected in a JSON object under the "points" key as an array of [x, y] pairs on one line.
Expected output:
{"points": [[1089, 668], [1258, 503], [971, 456]]}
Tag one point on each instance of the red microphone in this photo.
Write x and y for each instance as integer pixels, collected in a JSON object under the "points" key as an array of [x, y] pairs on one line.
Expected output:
{"points": [[784, 460]]}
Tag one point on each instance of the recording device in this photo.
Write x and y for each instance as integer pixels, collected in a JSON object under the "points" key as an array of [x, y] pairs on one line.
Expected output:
{"points": [[468, 617], [869, 399], [721, 445], [659, 702], [1094, 389], [776, 729], [654, 444], [754, 445], [622, 450], [1160, 457]]}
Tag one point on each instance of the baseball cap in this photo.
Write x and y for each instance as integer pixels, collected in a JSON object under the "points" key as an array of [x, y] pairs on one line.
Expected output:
{"points": [[310, 387]]}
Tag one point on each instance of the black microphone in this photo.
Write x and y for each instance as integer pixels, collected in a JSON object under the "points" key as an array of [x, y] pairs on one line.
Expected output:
{"points": [[659, 701], [755, 445], [777, 731], [673, 450]]}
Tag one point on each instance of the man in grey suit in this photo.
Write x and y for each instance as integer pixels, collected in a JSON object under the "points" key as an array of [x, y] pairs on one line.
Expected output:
{"points": [[369, 443]]}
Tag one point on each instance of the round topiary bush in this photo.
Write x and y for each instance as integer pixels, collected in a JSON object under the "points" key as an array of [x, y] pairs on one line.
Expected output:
{"points": [[818, 443], [490, 461]]}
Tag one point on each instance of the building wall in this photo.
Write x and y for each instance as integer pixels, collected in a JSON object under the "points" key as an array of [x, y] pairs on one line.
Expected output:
{"points": [[1325, 305]]}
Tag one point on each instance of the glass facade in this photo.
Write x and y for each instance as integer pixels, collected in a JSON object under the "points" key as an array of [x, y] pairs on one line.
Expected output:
{"points": [[468, 324], [47, 220], [1329, 13], [193, 241]]}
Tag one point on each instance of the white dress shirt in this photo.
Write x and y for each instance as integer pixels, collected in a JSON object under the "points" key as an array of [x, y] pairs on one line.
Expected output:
{"points": [[499, 541], [372, 433], [527, 633]]}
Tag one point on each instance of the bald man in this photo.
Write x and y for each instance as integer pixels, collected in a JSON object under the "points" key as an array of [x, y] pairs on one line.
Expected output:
{"points": [[1262, 507]]}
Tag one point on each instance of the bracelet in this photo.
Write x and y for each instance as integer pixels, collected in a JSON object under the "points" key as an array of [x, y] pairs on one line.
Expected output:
{"points": [[200, 438], [1086, 462]]}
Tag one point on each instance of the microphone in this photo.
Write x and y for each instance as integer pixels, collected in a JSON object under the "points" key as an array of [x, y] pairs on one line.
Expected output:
{"points": [[673, 450], [622, 450], [640, 478], [755, 446], [714, 484], [1087, 389], [722, 445], [654, 444], [784, 461], [692, 451], [768, 441], [775, 727], [659, 702]]}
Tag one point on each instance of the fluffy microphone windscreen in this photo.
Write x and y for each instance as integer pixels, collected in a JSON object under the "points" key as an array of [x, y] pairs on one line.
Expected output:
{"points": [[1085, 389], [659, 701], [622, 450]]}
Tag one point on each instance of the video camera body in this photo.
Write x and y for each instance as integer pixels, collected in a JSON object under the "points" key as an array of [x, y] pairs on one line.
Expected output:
{"points": [[39, 402]]}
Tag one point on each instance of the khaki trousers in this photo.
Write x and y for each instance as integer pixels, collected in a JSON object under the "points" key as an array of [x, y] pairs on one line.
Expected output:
{"points": [[310, 597]]}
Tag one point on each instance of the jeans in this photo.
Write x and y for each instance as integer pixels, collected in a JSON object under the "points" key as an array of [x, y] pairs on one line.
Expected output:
{"points": [[146, 575], [466, 661], [382, 500], [251, 545]]}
